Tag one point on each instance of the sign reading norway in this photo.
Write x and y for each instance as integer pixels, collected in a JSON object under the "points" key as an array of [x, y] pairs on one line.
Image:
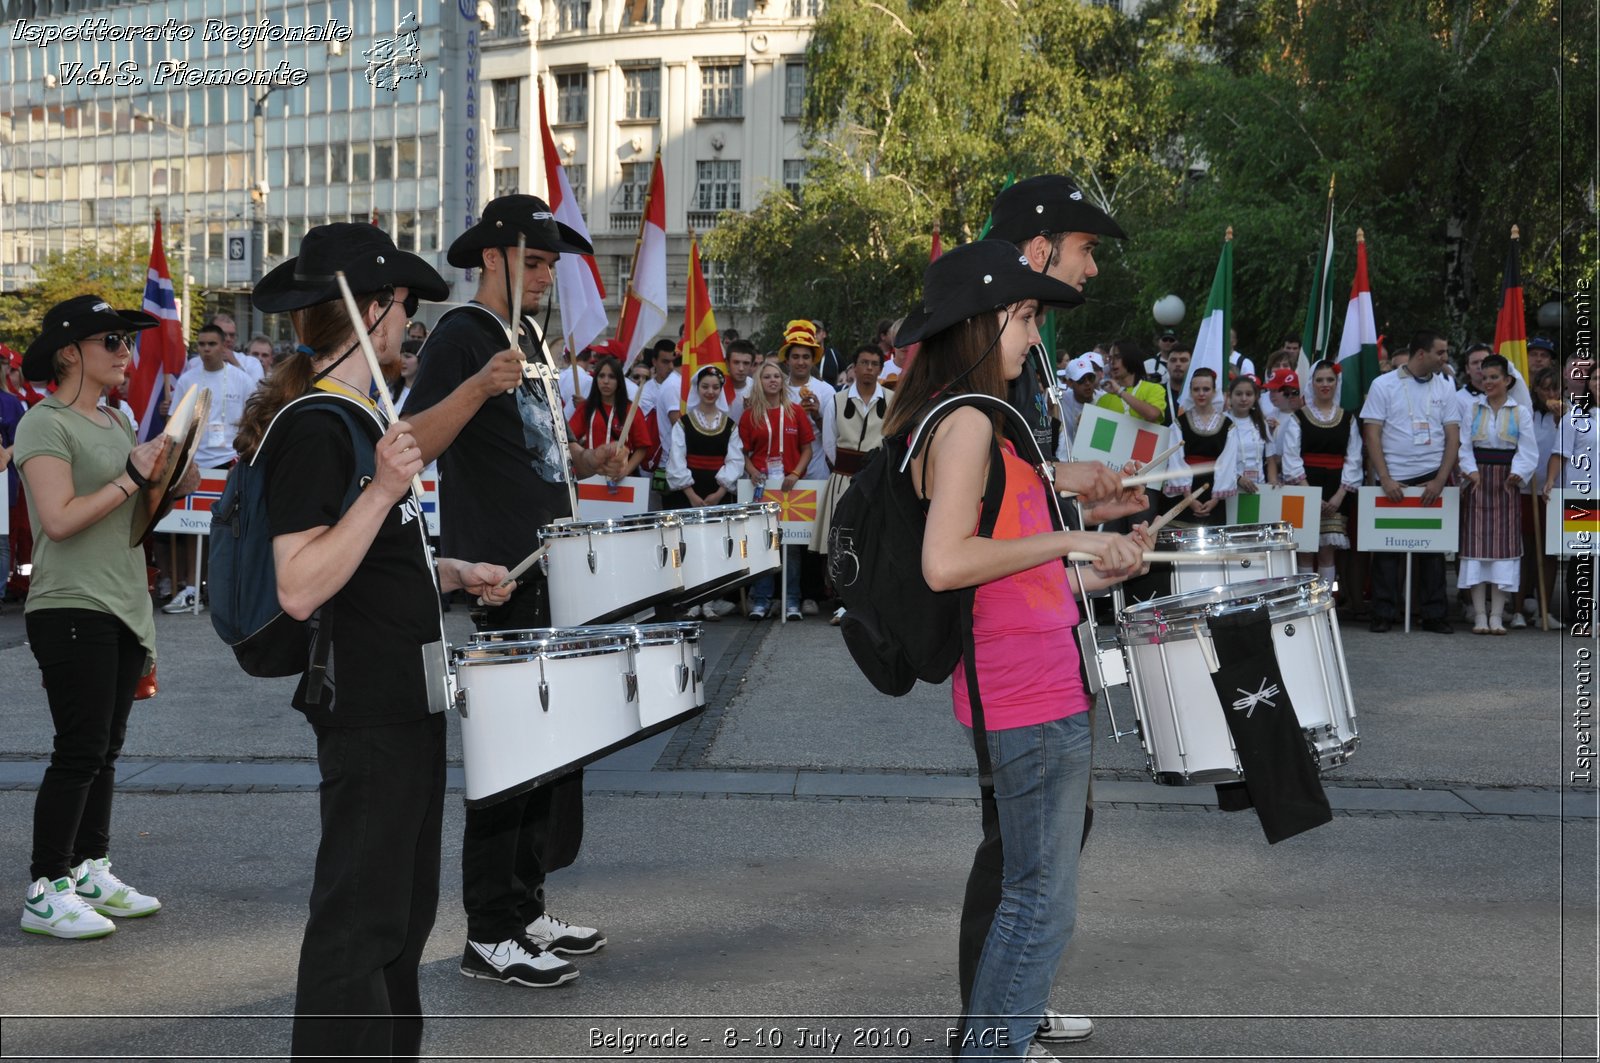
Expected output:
{"points": [[1115, 438], [1572, 522], [1298, 507], [1408, 526]]}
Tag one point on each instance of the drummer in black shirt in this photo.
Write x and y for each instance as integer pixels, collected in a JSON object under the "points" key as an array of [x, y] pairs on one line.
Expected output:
{"points": [[503, 478]]}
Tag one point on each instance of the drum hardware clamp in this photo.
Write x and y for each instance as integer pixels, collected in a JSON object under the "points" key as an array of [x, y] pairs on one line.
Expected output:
{"points": [[683, 677]]}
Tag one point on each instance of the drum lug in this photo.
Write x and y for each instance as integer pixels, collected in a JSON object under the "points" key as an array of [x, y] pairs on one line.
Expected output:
{"points": [[544, 694], [727, 546], [461, 703], [630, 686], [683, 678], [593, 562], [699, 668]]}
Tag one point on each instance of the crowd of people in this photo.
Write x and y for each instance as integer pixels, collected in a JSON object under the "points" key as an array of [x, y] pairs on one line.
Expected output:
{"points": [[509, 424]]}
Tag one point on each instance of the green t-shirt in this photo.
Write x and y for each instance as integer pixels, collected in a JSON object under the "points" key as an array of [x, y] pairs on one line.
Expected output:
{"points": [[96, 568]]}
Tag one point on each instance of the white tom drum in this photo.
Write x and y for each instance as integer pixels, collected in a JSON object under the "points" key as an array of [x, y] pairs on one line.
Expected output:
{"points": [[603, 570], [766, 537], [1257, 551], [671, 673], [716, 548], [538, 704], [1181, 722]]}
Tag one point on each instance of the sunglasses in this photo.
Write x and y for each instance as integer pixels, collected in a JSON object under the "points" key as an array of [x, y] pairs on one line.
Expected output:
{"points": [[113, 341], [409, 305]]}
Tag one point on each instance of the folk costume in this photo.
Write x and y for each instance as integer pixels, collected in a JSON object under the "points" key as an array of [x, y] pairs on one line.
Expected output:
{"points": [[857, 432], [704, 453], [1496, 444], [1324, 451], [1205, 437]]}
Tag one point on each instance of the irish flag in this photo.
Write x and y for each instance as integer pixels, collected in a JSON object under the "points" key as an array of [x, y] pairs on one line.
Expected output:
{"points": [[579, 291], [1212, 347], [1115, 438], [1511, 327], [644, 308], [1358, 345], [1408, 513], [1261, 508]]}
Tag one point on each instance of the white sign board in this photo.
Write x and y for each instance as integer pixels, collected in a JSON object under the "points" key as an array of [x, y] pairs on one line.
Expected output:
{"points": [[1408, 526], [797, 507], [192, 515], [237, 248], [1116, 439], [1572, 522], [1299, 507]]}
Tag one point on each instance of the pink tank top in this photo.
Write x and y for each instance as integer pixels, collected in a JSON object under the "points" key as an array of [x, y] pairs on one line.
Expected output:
{"points": [[1027, 657]]}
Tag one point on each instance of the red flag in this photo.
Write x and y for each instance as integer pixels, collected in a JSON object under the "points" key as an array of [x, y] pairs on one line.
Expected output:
{"points": [[1511, 327], [644, 307], [702, 346], [938, 246], [579, 290], [158, 353]]}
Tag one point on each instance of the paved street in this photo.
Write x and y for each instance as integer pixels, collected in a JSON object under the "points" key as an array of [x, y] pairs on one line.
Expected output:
{"points": [[788, 869]]}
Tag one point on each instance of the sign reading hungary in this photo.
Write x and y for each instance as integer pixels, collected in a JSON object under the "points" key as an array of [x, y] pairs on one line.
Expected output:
{"points": [[1408, 526]]}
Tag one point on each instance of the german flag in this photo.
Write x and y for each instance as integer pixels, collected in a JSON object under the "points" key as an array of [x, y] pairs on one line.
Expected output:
{"points": [[1511, 325], [1580, 515]]}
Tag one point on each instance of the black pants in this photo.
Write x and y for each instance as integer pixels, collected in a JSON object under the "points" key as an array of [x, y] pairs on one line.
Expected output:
{"points": [[510, 847], [1389, 573], [91, 663], [376, 890]]}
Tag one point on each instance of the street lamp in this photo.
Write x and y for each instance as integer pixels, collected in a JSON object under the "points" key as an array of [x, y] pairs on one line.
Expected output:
{"points": [[1168, 311]]}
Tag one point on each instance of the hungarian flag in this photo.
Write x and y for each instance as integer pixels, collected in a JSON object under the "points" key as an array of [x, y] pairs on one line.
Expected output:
{"points": [[158, 353], [1358, 344], [579, 290], [1212, 347], [701, 344], [1408, 513], [1511, 327], [644, 307], [1115, 438], [1319, 311]]}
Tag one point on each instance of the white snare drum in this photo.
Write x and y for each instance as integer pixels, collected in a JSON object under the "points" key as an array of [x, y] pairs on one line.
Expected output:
{"points": [[766, 538], [602, 570], [1268, 550], [538, 704], [671, 674], [716, 548], [1181, 720]]}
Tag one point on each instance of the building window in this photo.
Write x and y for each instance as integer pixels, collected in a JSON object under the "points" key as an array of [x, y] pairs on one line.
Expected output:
{"points": [[794, 174], [578, 178], [382, 161], [720, 285], [794, 89], [624, 275], [507, 103], [338, 164], [805, 8], [507, 18], [723, 10], [506, 180], [642, 92], [641, 13], [722, 91], [574, 15], [716, 185], [297, 166], [572, 97], [361, 163], [634, 187]]}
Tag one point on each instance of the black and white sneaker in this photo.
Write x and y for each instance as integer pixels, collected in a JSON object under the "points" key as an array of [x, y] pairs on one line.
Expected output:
{"points": [[1056, 1028], [517, 962], [558, 935]]}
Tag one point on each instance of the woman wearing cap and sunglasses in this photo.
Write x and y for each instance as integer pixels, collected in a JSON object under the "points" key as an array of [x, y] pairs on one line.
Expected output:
{"points": [[88, 615], [980, 303]]}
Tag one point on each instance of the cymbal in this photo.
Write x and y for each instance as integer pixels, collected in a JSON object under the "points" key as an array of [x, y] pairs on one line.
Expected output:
{"points": [[190, 418]]}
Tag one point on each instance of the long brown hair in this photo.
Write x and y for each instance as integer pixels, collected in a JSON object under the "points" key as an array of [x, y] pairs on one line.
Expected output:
{"points": [[325, 328], [972, 344]]}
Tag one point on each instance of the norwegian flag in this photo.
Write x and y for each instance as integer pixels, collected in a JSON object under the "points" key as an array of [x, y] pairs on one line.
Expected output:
{"points": [[158, 352], [212, 481]]}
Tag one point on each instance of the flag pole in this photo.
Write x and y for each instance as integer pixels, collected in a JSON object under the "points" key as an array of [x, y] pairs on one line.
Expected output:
{"points": [[1538, 563]]}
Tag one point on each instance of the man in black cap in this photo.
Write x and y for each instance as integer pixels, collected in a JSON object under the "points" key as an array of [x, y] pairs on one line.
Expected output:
{"points": [[1058, 231], [1157, 366], [503, 478]]}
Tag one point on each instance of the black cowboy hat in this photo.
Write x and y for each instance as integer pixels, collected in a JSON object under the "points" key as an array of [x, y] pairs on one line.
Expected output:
{"points": [[1048, 203], [366, 256], [974, 278], [503, 219], [72, 320]]}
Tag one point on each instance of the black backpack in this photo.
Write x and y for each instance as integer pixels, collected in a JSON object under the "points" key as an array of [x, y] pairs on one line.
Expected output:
{"points": [[897, 628], [244, 578]]}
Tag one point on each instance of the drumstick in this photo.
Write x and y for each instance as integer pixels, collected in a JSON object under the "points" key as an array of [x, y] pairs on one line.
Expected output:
{"points": [[1173, 557], [372, 359], [1158, 477], [511, 577], [1166, 518], [516, 292], [1161, 457]]}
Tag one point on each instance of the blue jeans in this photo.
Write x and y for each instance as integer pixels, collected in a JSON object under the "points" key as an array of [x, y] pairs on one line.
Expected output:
{"points": [[762, 590], [1041, 782]]}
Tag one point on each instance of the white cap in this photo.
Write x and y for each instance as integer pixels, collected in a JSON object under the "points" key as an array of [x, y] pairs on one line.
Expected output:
{"points": [[1079, 368], [1094, 358]]}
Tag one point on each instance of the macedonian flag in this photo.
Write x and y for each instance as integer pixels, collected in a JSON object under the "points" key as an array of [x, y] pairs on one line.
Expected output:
{"points": [[794, 505]]}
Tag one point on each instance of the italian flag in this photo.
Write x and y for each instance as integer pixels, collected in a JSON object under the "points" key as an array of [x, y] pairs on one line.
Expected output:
{"points": [[1358, 345], [1212, 347], [1114, 438], [1408, 513]]}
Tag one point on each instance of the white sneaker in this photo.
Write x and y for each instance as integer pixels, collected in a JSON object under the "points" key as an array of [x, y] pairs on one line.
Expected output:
{"points": [[558, 935], [108, 894], [182, 602], [838, 616], [55, 910], [809, 607], [1056, 1027], [692, 613], [164, 587], [1518, 620], [1036, 1051], [721, 608], [517, 963]]}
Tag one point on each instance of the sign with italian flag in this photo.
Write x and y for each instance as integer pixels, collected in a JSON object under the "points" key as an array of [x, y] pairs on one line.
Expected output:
{"points": [[1299, 507], [797, 507], [1408, 526], [1116, 439], [1572, 522]]}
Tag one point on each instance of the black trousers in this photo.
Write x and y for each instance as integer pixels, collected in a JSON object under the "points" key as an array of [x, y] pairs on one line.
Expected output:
{"points": [[91, 663], [1389, 573], [510, 847], [375, 893]]}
